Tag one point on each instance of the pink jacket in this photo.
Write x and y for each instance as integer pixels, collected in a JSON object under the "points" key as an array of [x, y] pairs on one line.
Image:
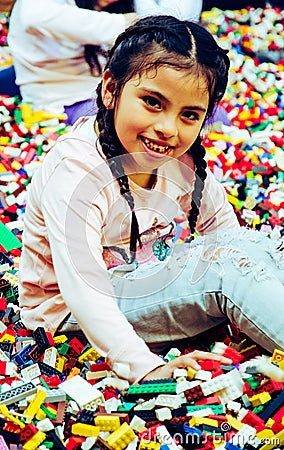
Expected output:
{"points": [[75, 216]]}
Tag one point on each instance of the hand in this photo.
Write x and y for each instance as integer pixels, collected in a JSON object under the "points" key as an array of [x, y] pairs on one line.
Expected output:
{"points": [[182, 362]]}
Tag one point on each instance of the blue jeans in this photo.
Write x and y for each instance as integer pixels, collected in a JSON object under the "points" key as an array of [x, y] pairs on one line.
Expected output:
{"points": [[236, 275]]}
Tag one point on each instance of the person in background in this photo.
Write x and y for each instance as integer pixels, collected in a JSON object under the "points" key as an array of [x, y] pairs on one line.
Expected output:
{"points": [[182, 9], [58, 54], [59, 51], [98, 252]]}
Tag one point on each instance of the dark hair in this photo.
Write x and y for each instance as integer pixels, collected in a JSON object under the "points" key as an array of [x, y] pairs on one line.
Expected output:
{"points": [[92, 52], [150, 43]]}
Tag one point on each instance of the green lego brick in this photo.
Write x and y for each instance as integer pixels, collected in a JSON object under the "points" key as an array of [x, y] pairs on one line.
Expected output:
{"points": [[126, 406], [7, 239], [152, 388], [217, 409]]}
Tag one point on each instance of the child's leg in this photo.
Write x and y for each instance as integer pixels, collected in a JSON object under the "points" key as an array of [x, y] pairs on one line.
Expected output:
{"points": [[229, 276]]}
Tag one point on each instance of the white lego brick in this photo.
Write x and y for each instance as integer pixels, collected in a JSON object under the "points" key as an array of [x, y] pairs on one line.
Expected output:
{"points": [[163, 414], [164, 437], [89, 443], [31, 372], [202, 412], [3, 356], [50, 356], [116, 383], [183, 386], [137, 424], [169, 401], [178, 373], [214, 385], [244, 435], [133, 444], [203, 375], [45, 425], [148, 405], [82, 392], [112, 404], [234, 406]]}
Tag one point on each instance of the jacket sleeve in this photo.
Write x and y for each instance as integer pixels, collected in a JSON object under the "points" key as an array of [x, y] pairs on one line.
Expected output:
{"points": [[67, 22], [215, 210], [74, 215]]}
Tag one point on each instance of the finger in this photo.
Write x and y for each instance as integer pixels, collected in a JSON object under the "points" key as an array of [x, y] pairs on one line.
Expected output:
{"points": [[201, 356]]}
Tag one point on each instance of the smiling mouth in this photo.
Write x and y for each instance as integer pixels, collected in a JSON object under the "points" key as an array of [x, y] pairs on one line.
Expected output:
{"points": [[154, 147]]}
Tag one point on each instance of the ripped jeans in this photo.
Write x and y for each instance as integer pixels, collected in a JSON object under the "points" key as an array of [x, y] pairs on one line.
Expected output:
{"points": [[236, 275]]}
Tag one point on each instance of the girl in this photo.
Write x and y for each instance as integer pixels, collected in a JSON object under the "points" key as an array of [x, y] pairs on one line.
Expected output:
{"points": [[99, 222]]}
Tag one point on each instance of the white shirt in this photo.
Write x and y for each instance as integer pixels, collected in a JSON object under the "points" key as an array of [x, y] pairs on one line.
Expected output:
{"points": [[47, 42], [182, 9]]}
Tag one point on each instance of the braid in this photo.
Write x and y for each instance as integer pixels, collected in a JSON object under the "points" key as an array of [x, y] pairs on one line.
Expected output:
{"points": [[198, 153], [112, 149], [150, 43]]}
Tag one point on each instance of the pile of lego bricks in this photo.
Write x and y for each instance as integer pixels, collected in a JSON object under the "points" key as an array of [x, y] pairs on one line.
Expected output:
{"points": [[58, 392]]}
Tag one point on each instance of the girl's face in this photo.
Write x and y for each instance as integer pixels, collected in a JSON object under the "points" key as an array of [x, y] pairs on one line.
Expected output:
{"points": [[157, 116]]}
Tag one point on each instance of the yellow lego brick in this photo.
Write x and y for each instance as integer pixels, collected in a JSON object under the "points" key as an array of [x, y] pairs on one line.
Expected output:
{"points": [[8, 338], [260, 399], [60, 361], [11, 278], [35, 441], [2, 168], [85, 430], [35, 404], [5, 412], [219, 136], [40, 415], [4, 140], [274, 441], [26, 109], [270, 422], [235, 201], [265, 434], [60, 339], [107, 423], [235, 423], [149, 445], [121, 437], [89, 355], [16, 165], [196, 421], [191, 373], [278, 358]]}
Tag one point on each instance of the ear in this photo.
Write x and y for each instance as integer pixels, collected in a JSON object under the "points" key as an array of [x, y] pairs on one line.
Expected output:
{"points": [[108, 89]]}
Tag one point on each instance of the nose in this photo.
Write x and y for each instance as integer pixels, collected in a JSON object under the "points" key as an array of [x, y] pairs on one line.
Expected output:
{"points": [[166, 126]]}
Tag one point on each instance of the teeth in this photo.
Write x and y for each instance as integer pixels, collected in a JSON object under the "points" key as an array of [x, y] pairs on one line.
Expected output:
{"points": [[155, 147]]}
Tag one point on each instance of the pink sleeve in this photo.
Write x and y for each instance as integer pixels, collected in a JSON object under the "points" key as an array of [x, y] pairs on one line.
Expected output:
{"points": [[74, 203], [215, 210]]}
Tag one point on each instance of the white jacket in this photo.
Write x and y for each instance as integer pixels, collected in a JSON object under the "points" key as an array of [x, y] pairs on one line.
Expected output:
{"points": [[47, 42]]}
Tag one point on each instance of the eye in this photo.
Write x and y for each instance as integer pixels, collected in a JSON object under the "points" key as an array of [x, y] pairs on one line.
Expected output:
{"points": [[152, 102], [191, 115]]}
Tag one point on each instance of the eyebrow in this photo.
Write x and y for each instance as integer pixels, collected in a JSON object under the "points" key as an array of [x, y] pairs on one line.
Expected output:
{"points": [[161, 97]]}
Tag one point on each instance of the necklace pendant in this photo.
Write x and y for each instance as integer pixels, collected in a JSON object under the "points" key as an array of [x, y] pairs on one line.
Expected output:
{"points": [[160, 249]]}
